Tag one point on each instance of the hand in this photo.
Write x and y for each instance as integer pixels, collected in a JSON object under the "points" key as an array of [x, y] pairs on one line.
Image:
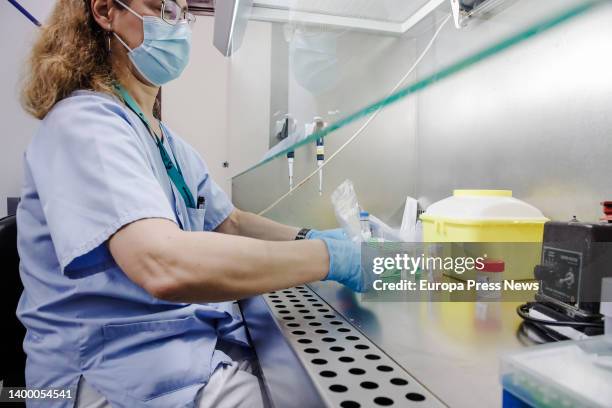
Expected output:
{"points": [[337, 234], [345, 264]]}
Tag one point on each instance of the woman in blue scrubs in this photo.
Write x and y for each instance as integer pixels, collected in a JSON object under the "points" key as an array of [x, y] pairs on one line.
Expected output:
{"points": [[131, 255]]}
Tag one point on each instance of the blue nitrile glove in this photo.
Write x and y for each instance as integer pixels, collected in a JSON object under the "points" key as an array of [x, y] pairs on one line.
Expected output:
{"points": [[345, 264], [337, 234]]}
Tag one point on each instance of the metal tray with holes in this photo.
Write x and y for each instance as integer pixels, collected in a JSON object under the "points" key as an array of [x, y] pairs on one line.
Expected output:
{"points": [[312, 357]]}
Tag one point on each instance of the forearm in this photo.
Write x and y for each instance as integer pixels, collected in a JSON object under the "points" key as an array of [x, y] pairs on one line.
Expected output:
{"points": [[254, 226], [213, 267], [196, 267]]}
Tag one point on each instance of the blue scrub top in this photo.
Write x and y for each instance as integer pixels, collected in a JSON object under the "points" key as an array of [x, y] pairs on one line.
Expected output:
{"points": [[92, 168]]}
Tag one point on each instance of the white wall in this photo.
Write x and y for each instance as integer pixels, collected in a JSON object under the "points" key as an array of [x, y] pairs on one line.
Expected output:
{"points": [[195, 105], [16, 35], [221, 105], [248, 110]]}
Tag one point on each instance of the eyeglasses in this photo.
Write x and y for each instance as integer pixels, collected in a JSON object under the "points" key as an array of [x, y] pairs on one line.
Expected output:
{"points": [[172, 13]]}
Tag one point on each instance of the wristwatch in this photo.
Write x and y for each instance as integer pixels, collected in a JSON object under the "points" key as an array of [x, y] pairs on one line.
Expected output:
{"points": [[302, 234]]}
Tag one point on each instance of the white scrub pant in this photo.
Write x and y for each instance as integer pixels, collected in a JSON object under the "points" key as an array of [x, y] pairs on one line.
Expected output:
{"points": [[236, 385]]}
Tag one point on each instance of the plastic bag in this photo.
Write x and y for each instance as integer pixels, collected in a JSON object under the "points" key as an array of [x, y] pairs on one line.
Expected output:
{"points": [[346, 209]]}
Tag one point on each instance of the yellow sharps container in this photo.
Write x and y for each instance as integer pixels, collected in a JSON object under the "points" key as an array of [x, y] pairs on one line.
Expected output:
{"points": [[502, 223]]}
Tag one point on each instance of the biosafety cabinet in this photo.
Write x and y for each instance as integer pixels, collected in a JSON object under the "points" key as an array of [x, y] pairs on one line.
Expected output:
{"points": [[417, 98], [438, 95]]}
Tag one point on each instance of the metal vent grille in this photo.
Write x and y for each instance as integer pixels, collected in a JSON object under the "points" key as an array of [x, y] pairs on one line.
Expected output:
{"points": [[348, 370]]}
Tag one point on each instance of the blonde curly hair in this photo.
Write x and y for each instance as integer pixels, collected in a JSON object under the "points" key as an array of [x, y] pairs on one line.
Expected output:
{"points": [[70, 53]]}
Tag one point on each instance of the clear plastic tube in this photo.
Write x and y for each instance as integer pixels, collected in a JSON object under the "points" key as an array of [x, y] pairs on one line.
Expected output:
{"points": [[364, 222]]}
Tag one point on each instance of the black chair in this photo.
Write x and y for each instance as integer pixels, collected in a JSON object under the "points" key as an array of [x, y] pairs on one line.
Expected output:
{"points": [[12, 365]]}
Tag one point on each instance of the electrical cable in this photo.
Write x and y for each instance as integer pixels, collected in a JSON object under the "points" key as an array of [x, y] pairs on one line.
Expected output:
{"points": [[529, 333], [523, 312], [365, 125]]}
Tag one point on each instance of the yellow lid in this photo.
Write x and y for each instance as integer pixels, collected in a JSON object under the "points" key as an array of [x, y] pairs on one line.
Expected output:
{"points": [[482, 193]]}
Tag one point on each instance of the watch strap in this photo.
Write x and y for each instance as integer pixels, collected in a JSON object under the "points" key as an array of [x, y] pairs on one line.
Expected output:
{"points": [[302, 234]]}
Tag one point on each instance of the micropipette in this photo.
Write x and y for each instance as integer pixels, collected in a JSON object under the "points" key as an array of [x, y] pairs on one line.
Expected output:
{"points": [[318, 126], [320, 158], [283, 135], [290, 157]]}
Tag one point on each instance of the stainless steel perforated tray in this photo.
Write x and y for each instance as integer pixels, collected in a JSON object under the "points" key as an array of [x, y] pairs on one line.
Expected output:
{"points": [[322, 353]]}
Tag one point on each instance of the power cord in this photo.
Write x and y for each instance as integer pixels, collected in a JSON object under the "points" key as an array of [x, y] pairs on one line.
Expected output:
{"points": [[540, 331], [530, 333], [523, 312]]}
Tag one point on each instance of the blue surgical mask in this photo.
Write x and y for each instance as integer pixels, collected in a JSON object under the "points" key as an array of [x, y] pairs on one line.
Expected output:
{"points": [[164, 52]]}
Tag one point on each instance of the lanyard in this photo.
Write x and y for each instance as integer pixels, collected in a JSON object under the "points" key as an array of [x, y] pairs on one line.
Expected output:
{"points": [[174, 172]]}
